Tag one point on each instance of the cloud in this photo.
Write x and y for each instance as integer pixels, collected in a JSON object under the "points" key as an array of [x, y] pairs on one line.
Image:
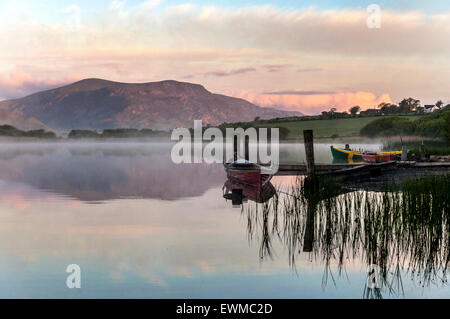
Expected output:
{"points": [[276, 67], [73, 13], [118, 7], [18, 84], [150, 4], [220, 73], [316, 101], [309, 70], [296, 92], [232, 72], [312, 31], [266, 28], [409, 53]]}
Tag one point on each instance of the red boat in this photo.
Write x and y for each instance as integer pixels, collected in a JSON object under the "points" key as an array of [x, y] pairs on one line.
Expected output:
{"points": [[246, 172], [374, 157]]}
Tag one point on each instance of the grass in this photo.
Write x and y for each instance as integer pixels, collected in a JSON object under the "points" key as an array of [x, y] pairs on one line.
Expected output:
{"points": [[432, 147], [348, 127]]}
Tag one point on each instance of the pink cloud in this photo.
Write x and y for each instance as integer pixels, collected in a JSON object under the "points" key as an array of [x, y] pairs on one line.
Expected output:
{"points": [[220, 73], [315, 102], [18, 84], [276, 67]]}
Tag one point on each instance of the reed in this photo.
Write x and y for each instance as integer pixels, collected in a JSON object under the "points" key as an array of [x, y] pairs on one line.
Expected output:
{"points": [[403, 229], [432, 147]]}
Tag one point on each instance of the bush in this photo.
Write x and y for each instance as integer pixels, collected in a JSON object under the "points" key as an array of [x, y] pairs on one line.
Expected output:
{"points": [[388, 127], [432, 128], [433, 125], [446, 129], [121, 132], [82, 134]]}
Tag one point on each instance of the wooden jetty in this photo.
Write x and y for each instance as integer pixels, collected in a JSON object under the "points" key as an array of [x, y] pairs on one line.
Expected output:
{"points": [[301, 169], [344, 171]]}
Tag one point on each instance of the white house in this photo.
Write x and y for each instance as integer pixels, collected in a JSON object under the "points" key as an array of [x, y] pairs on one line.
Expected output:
{"points": [[430, 108]]}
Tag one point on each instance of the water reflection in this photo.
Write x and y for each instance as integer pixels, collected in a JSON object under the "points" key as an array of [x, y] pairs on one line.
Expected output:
{"points": [[104, 171], [164, 230], [400, 231], [244, 186]]}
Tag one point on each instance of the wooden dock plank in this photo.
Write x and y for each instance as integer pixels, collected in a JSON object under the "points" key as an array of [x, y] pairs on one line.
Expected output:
{"points": [[300, 169]]}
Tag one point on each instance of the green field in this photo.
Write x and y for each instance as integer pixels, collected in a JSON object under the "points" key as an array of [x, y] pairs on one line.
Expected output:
{"points": [[348, 127]]}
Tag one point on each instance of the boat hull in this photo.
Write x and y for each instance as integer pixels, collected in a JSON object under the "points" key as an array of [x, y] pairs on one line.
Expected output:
{"points": [[247, 173], [378, 158], [340, 154]]}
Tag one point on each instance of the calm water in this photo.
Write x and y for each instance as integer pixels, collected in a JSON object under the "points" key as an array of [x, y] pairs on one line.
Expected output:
{"points": [[140, 226]]}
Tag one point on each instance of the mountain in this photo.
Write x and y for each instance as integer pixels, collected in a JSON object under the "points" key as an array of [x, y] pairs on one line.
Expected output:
{"points": [[16, 118], [100, 104]]}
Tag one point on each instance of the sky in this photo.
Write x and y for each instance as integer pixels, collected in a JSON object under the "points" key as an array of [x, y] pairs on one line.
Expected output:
{"points": [[298, 55]]}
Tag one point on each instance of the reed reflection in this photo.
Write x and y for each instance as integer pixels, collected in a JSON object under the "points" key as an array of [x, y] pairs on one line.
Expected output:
{"points": [[403, 229]]}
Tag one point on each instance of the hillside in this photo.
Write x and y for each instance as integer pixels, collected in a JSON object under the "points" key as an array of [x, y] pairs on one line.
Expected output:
{"points": [[100, 104], [348, 127]]}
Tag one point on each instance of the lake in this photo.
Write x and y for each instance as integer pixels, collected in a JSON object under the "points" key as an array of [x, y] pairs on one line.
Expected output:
{"points": [[140, 226]]}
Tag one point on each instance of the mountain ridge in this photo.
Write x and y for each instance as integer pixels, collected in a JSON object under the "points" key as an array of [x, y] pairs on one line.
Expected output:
{"points": [[95, 103]]}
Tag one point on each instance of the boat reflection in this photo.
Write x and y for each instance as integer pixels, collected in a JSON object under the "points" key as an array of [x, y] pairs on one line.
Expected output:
{"points": [[247, 186]]}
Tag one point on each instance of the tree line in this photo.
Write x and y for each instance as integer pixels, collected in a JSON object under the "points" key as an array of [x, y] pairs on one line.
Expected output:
{"points": [[405, 106], [9, 130]]}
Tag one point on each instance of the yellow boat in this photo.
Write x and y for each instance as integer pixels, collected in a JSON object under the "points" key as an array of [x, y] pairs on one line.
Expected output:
{"points": [[346, 154]]}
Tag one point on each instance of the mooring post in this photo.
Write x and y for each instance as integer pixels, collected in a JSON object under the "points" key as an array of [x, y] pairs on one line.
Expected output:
{"points": [[311, 187], [235, 148], [309, 150], [308, 239], [247, 151], [404, 153], [422, 151], [236, 197]]}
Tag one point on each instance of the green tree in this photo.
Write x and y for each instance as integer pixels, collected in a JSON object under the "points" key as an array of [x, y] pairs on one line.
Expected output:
{"points": [[388, 108], [354, 110], [446, 128], [439, 104], [408, 105]]}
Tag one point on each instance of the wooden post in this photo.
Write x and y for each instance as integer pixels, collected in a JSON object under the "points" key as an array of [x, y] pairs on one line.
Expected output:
{"points": [[422, 151], [404, 153], [235, 148], [247, 150], [236, 197], [309, 150], [308, 239]]}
